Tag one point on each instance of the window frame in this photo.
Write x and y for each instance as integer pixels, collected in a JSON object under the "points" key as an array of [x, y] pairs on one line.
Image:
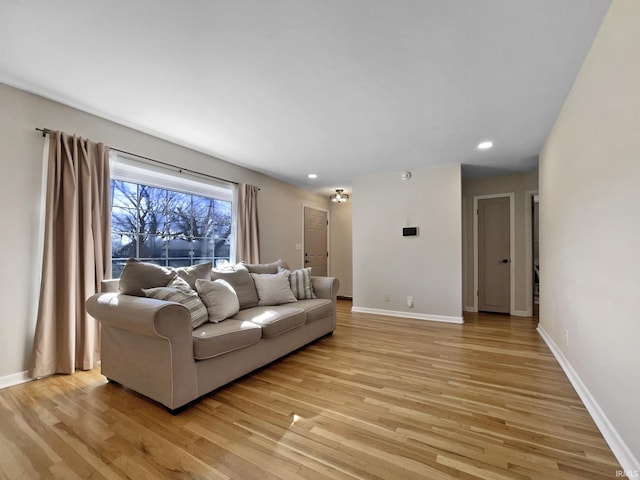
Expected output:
{"points": [[127, 169]]}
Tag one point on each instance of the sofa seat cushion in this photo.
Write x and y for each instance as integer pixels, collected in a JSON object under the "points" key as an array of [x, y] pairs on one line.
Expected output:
{"points": [[274, 320], [213, 339], [315, 308]]}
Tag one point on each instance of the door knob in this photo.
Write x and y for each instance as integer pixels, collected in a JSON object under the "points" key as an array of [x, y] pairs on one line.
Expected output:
{"points": [[505, 260]]}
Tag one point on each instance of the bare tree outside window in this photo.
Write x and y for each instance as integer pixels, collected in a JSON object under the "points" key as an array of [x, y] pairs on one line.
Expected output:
{"points": [[167, 227]]}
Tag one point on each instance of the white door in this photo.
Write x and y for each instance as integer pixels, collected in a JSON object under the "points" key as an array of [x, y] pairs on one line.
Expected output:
{"points": [[316, 252], [494, 269]]}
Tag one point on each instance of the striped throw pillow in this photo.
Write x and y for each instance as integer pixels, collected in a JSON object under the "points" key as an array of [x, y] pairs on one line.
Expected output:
{"points": [[184, 296], [300, 283]]}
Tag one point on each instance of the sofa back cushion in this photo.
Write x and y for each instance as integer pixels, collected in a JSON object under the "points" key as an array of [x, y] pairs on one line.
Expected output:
{"points": [[240, 279], [266, 267], [195, 272], [138, 275]]}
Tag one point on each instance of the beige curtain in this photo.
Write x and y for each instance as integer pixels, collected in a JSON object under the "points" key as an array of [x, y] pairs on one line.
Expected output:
{"points": [[247, 243], [77, 255]]}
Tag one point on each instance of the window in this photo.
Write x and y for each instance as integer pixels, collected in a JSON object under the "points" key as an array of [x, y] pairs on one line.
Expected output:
{"points": [[164, 218]]}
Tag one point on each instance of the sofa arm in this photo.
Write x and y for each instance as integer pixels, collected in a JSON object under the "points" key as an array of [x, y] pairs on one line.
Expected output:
{"points": [[147, 345], [326, 287], [145, 316]]}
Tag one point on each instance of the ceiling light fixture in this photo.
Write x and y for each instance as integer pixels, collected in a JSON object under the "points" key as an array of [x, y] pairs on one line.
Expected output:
{"points": [[485, 145], [339, 196], [312, 175]]}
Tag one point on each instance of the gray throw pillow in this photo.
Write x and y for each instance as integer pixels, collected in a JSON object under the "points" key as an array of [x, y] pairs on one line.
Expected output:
{"points": [[240, 279], [220, 299], [138, 275], [273, 289], [179, 291]]}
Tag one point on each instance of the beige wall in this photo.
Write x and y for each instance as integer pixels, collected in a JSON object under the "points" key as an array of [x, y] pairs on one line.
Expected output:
{"points": [[341, 246], [518, 184], [590, 231], [427, 267], [280, 204]]}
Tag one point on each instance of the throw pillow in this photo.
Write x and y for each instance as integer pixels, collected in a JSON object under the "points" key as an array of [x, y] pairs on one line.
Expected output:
{"points": [[273, 289], [300, 282], [189, 299], [219, 297], [138, 275], [240, 279], [267, 267], [193, 273]]}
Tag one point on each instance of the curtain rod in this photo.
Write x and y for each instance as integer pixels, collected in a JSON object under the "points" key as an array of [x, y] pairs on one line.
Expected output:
{"points": [[47, 131]]}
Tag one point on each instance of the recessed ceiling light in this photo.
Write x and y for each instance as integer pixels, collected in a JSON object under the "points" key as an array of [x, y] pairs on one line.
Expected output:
{"points": [[312, 175], [485, 145]]}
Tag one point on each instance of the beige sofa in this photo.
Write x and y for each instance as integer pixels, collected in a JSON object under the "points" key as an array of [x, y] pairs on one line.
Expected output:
{"points": [[149, 345]]}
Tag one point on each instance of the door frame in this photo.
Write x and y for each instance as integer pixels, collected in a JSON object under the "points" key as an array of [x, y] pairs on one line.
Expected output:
{"points": [[306, 205], [528, 233], [512, 243]]}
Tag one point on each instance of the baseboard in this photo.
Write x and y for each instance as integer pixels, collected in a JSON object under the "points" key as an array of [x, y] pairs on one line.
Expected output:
{"points": [[521, 313], [14, 379], [469, 309], [344, 297], [416, 316], [623, 454]]}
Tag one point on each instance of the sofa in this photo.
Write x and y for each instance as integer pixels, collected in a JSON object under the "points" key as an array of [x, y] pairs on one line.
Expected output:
{"points": [[153, 345]]}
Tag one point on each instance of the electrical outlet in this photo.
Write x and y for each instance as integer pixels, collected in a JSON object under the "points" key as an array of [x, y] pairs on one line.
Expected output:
{"points": [[409, 301], [566, 337], [387, 298]]}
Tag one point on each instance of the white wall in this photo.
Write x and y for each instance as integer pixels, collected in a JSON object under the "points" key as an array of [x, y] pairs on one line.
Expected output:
{"points": [[519, 184], [280, 204], [590, 231], [341, 246], [427, 267]]}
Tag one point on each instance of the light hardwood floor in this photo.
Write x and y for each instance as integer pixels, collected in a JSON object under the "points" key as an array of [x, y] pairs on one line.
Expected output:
{"points": [[383, 398]]}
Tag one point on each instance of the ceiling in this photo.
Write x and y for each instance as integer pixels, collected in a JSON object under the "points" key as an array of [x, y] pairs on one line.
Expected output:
{"points": [[340, 88]]}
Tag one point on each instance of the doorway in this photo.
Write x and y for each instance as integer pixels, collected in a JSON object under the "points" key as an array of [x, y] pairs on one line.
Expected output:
{"points": [[316, 252], [532, 266], [535, 229], [494, 257]]}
